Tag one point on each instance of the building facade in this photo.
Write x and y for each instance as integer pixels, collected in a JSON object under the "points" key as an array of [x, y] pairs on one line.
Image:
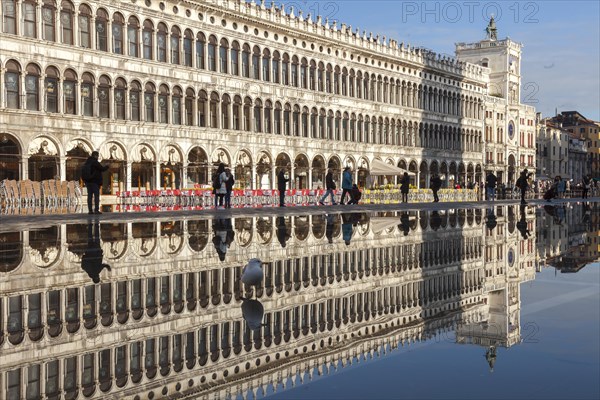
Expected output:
{"points": [[166, 91], [509, 125], [583, 128], [553, 145]]}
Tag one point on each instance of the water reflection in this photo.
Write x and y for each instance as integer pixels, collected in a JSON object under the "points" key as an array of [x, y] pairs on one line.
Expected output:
{"points": [[333, 289]]}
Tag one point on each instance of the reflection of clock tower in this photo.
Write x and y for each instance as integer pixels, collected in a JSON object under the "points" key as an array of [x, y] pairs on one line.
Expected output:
{"points": [[509, 125]]}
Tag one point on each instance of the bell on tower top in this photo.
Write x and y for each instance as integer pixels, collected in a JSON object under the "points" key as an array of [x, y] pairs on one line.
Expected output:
{"points": [[491, 31]]}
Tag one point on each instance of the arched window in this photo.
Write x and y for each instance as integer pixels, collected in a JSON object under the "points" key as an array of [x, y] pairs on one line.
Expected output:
{"points": [[338, 122], [161, 43], [345, 135], [32, 95], [70, 92], [304, 121], [118, 23], [176, 105], [351, 84], [104, 85], [329, 133], [235, 58], [237, 108], [296, 121], [119, 100], [287, 109], [246, 61], [189, 106], [149, 95], [336, 79], [202, 103], [87, 94], [268, 116], [214, 101], [12, 84], [285, 69], [304, 73], [276, 63], [67, 11], [9, 16], [314, 114], [102, 30], [247, 113], [48, 18], [256, 62], [344, 82], [85, 28], [223, 56], [200, 48], [312, 75], [147, 41], [212, 53], [266, 60], [175, 36], [163, 104], [294, 72], [257, 115], [51, 87], [134, 100], [133, 26], [188, 39], [328, 82], [225, 105], [29, 17]]}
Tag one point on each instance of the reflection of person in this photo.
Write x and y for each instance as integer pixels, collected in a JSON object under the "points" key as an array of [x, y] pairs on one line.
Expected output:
{"points": [[91, 261], [347, 229], [491, 219], [329, 227], [93, 181], [405, 223], [522, 224], [223, 236], [282, 233], [435, 221], [281, 185]]}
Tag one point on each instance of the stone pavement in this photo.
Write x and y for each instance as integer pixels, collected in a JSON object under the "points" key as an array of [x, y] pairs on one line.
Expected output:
{"points": [[28, 222]]}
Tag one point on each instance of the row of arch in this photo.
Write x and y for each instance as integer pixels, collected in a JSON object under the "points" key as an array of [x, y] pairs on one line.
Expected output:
{"points": [[156, 41], [146, 167]]}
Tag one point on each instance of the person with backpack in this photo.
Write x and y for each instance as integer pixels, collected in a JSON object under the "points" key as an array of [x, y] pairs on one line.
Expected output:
{"points": [[229, 187], [405, 187], [219, 187], [523, 184], [435, 184], [91, 174]]}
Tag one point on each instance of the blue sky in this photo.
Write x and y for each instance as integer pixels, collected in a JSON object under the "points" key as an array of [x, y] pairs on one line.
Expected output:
{"points": [[561, 55]]}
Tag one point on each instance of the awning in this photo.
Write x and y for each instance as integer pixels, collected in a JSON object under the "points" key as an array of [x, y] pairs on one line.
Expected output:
{"points": [[380, 168]]}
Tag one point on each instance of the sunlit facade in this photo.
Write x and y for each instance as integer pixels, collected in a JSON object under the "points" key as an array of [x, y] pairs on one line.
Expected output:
{"points": [[181, 327], [166, 90]]}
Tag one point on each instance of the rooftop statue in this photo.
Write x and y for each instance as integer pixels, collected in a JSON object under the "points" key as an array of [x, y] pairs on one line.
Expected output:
{"points": [[491, 31]]}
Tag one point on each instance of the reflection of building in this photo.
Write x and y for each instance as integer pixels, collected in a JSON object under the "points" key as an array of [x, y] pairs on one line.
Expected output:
{"points": [[509, 125], [167, 318]]}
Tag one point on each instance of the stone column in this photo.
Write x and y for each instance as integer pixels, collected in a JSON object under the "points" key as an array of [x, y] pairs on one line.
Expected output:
{"points": [[62, 168], [157, 180], [253, 180], [128, 172], [184, 178]]}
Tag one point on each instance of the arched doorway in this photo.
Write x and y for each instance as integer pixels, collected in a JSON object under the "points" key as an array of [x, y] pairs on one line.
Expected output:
{"points": [[76, 157], [444, 173], [10, 155], [452, 178], [301, 168], [114, 154], [243, 170], [470, 175], [282, 161], [462, 175], [43, 160], [478, 173], [263, 171], [171, 167], [318, 173], [362, 173], [335, 165], [142, 168], [219, 156], [197, 171], [412, 167], [511, 169]]}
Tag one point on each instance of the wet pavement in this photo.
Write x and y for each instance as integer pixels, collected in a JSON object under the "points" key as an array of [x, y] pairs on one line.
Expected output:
{"points": [[445, 300]]}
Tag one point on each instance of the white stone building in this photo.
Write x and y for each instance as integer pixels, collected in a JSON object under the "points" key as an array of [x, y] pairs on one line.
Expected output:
{"points": [[167, 90], [553, 151]]}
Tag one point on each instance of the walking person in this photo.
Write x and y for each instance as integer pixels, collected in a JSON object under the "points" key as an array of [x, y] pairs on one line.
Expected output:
{"points": [[586, 187], [346, 184], [281, 186], [522, 183], [229, 187], [219, 187], [91, 173], [330, 187], [404, 187], [490, 186], [435, 184]]}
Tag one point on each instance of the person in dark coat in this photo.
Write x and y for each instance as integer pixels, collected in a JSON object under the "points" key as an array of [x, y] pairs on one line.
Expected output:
{"points": [[585, 186], [329, 188], [281, 186], [522, 224], [91, 261], [523, 184], [355, 194], [94, 181], [436, 184], [229, 187], [346, 184], [490, 186], [404, 187]]}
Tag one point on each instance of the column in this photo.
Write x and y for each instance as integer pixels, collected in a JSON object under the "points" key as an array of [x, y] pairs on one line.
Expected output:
{"points": [[309, 178], [253, 180], [292, 184], [62, 168], [128, 170], [157, 182], [24, 165], [184, 181]]}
